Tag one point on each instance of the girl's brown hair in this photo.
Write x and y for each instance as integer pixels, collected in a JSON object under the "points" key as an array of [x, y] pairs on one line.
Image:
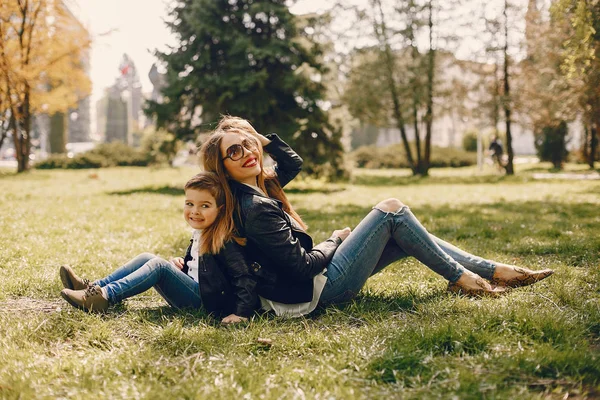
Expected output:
{"points": [[214, 237], [266, 180]]}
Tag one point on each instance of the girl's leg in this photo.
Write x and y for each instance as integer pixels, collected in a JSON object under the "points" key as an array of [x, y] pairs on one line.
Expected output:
{"points": [[132, 265], [358, 256], [177, 288]]}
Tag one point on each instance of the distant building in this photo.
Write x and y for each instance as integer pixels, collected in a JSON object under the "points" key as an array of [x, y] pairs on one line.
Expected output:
{"points": [[119, 112]]}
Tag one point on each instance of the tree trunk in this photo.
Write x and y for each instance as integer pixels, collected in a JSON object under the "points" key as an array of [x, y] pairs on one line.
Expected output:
{"points": [[593, 144], [586, 141], [507, 103], [424, 169], [57, 139], [389, 63]]}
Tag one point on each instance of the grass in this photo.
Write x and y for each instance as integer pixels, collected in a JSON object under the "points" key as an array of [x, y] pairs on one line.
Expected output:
{"points": [[404, 337]]}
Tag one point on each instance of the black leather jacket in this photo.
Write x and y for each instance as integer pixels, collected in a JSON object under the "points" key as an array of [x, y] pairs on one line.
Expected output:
{"points": [[285, 259], [225, 282]]}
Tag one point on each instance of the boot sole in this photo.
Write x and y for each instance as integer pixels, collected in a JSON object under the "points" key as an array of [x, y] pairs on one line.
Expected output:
{"points": [[71, 302], [64, 278]]}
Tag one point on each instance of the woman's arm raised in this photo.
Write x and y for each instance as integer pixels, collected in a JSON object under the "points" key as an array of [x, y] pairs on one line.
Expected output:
{"points": [[289, 163]]}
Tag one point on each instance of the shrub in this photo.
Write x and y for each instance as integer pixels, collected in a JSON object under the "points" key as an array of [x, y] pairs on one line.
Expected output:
{"points": [[395, 157], [103, 155], [160, 146], [86, 160], [469, 141], [120, 154], [551, 144], [53, 161]]}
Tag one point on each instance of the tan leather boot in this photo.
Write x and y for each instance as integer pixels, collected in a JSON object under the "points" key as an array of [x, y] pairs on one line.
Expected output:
{"points": [[90, 299], [70, 280]]}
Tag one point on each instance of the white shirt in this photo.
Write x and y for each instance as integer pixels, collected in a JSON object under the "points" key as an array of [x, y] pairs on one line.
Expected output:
{"points": [[193, 263], [299, 309]]}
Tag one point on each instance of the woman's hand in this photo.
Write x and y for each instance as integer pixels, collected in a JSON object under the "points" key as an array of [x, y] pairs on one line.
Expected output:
{"points": [[233, 319], [342, 233], [177, 262], [250, 129]]}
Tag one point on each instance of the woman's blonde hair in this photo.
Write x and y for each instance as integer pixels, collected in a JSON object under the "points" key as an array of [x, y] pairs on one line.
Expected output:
{"points": [[266, 180], [214, 237]]}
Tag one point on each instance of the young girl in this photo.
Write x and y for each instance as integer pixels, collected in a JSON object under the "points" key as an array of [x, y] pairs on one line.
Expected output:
{"points": [[293, 275], [213, 274]]}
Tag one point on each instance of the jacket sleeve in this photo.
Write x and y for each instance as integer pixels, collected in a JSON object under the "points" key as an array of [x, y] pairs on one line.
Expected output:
{"points": [[289, 163], [270, 232], [233, 259]]}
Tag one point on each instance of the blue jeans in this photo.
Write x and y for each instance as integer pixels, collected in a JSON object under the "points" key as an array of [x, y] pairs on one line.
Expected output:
{"points": [[146, 271], [384, 237]]}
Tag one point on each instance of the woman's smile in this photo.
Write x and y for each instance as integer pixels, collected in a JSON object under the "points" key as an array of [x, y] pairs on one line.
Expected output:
{"points": [[251, 162]]}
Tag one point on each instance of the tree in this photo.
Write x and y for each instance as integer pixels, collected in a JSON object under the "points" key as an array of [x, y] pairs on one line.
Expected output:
{"points": [[545, 96], [581, 59], [41, 53], [247, 58], [392, 82]]}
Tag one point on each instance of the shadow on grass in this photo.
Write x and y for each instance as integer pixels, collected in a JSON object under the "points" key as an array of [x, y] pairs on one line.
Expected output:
{"points": [[305, 190], [378, 180], [166, 190]]}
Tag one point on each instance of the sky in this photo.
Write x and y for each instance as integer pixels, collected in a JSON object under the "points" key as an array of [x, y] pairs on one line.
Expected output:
{"points": [[137, 27]]}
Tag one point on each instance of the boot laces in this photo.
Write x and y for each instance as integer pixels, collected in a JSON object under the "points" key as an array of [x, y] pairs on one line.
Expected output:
{"points": [[92, 291]]}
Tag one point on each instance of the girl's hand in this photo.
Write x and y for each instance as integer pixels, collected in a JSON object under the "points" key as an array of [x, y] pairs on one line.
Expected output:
{"points": [[233, 319], [178, 262], [342, 233]]}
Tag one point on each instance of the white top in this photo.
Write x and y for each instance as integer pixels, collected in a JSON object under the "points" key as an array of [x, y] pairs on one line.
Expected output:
{"points": [[193, 263], [299, 309]]}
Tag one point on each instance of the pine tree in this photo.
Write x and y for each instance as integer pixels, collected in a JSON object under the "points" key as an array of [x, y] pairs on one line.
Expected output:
{"points": [[247, 58]]}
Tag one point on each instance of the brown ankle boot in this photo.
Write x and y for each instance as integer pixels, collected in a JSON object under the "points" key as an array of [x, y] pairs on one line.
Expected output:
{"points": [[70, 280], [521, 277], [90, 299]]}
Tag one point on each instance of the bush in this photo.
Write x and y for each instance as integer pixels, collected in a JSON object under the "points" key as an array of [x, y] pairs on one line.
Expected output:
{"points": [[103, 155], [160, 146], [120, 154], [551, 144], [469, 141], [86, 160], [395, 157]]}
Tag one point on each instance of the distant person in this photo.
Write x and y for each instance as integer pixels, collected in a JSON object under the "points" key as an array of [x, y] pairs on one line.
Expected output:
{"points": [[496, 152], [294, 275], [212, 275]]}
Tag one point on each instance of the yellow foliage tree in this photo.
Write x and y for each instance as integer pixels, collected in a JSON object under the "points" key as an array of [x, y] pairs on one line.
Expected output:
{"points": [[43, 49]]}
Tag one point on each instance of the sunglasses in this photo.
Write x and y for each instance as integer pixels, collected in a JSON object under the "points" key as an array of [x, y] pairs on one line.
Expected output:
{"points": [[236, 151]]}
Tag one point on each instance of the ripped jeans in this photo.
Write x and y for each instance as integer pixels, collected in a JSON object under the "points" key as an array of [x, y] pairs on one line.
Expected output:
{"points": [[384, 237]]}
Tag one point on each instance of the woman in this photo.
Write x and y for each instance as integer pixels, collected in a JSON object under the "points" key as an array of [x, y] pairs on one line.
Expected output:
{"points": [[293, 275]]}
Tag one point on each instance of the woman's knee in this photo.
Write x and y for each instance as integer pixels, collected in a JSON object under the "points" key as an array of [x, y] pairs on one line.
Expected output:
{"points": [[390, 205]]}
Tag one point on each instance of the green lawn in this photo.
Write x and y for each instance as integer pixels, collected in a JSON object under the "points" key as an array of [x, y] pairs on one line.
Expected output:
{"points": [[404, 337]]}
